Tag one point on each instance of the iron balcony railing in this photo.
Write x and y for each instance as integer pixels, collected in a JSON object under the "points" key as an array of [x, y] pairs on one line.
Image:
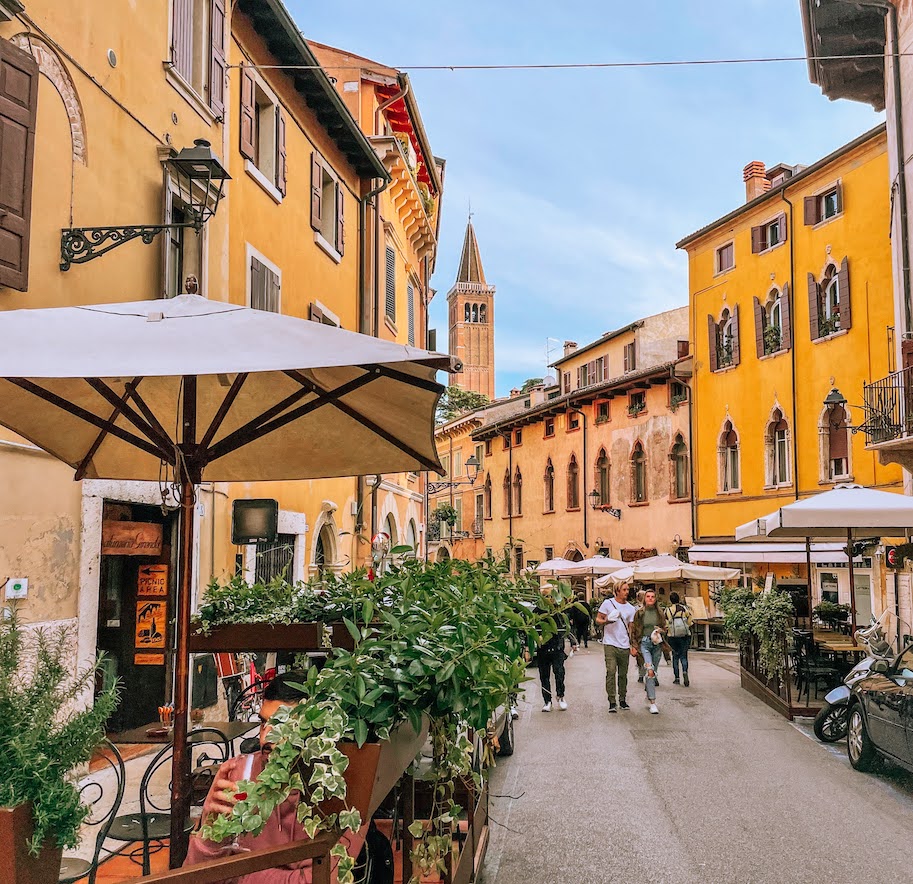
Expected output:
{"points": [[478, 528], [889, 408]]}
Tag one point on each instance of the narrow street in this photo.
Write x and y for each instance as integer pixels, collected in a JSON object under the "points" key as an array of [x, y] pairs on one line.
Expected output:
{"points": [[716, 788]]}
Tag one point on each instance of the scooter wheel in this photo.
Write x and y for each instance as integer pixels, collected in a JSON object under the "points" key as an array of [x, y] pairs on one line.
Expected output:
{"points": [[831, 723]]}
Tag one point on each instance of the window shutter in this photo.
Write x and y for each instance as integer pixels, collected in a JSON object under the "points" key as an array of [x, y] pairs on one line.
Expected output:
{"points": [[627, 367], [781, 221], [217, 60], [578, 376], [810, 210], [316, 190], [390, 284], [839, 190], [759, 327], [813, 307], [711, 335], [757, 240], [281, 161], [182, 38], [736, 353], [315, 314], [786, 333], [837, 432], [18, 105], [256, 284], [340, 221], [592, 373], [410, 307], [272, 290], [247, 113], [843, 293]]}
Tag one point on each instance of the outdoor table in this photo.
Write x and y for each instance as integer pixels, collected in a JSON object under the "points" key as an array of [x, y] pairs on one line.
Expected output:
{"points": [[707, 623], [231, 729]]}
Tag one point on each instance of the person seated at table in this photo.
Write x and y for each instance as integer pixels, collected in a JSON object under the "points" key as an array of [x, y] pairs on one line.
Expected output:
{"points": [[283, 826]]}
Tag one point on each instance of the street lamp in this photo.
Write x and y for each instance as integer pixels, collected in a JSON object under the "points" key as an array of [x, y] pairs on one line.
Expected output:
{"points": [[472, 473], [594, 498], [201, 179], [836, 398]]}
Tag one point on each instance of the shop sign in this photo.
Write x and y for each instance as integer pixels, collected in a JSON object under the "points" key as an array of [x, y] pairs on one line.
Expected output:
{"points": [[152, 581], [150, 625], [635, 555], [148, 659], [131, 538]]}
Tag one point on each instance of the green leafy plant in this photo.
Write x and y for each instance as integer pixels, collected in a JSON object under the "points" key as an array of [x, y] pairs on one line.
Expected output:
{"points": [[47, 733], [737, 604], [455, 401], [772, 337], [772, 620], [445, 512], [831, 611]]}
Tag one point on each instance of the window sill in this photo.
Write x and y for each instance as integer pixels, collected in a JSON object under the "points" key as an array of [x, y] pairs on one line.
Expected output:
{"points": [[679, 500], [778, 487], [572, 430], [549, 436], [830, 337], [548, 512], [825, 221], [724, 369], [729, 492], [264, 182], [772, 248], [836, 480], [774, 355], [640, 413], [639, 503], [391, 325], [723, 272], [327, 247], [573, 509], [514, 516], [190, 95]]}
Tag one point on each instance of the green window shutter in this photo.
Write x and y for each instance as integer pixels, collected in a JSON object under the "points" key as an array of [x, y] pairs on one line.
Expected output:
{"points": [[390, 284], [410, 306]]}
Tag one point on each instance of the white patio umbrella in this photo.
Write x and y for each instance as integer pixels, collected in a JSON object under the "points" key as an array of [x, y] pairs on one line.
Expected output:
{"points": [[555, 567], [846, 511], [667, 569], [125, 391], [597, 565]]}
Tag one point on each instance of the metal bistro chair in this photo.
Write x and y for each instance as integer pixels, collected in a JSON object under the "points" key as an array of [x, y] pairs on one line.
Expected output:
{"points": [[811, 668], [103, 803], [152, 823], [246, 706]]}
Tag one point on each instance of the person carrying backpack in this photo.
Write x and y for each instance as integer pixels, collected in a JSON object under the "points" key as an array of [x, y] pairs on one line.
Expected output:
{"points": [[679, 636]]}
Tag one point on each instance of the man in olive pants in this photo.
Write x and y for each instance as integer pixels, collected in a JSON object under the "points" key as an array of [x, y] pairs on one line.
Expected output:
{"points": [[614, 616]]}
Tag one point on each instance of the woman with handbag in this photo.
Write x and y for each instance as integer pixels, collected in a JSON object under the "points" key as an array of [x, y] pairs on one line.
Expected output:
{"points": [[679, 635], [648, 631]]}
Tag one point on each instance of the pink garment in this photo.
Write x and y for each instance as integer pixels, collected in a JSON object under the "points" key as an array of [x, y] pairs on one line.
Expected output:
{"points": [[281, 828]]}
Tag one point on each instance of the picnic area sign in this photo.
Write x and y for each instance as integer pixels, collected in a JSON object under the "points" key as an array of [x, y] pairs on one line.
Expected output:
{"points": [[152, 581]]}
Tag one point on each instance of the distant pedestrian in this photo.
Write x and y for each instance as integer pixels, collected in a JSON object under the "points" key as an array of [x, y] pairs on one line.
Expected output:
{"points": [[641, 669], [679, 636], [581, 622], [615, 616], [550, 658], [648, 629]]}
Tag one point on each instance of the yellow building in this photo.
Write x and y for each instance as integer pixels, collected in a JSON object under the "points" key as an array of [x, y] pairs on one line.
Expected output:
{"points": [[790, 299], [90, 120], [595, 463]]}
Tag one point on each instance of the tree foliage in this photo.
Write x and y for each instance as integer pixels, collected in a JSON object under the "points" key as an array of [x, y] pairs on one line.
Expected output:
{"points": [[456, 401], [529, 383]]}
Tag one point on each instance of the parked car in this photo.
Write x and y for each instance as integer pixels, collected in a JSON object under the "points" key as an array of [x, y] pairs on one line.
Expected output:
{"points": [[881, 714]]}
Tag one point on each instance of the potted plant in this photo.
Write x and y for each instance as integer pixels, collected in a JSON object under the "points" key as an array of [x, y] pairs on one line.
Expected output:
{"points": [[47, 734], [772, 339], [831, 612]]}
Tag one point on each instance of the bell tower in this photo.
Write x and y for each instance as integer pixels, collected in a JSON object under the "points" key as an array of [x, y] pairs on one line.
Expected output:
{"points": [[471, 318]]}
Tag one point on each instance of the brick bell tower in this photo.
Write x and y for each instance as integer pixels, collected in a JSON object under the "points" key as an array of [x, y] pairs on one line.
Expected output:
{"points": [[471, 320]]}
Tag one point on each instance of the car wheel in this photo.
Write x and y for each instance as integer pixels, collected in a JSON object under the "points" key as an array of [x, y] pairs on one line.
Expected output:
{"points": [[831, 724], [860, 749], [506, 740]]}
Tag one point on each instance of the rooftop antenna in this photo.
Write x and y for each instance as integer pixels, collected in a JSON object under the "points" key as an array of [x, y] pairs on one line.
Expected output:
{"points": [[549, 349]]}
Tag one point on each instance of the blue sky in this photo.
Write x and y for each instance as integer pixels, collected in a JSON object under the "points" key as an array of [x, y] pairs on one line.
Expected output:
{"points": [[582, 181]]}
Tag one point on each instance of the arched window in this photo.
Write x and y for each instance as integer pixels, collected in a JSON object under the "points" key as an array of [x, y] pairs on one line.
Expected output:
{"points": [[730, 480], [483, 313], [838, 447], [777, 449], [467, 313], [518, 492], [602, 478], [390, 528], [724, 352], [508, 497], [487, 496], [638, 474], [773, 323], [475, 312], [829, 303], [549, 489], [681, 479], [573, 484], [411, 539]]}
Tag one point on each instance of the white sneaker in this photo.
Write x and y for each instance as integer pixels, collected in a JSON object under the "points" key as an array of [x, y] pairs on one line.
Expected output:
{"points": [[562, 704], [547, 707], [653, 709], [514, 713]]}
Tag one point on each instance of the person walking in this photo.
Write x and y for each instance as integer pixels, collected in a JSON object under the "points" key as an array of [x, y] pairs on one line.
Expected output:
{"points": [[679, 636], [550, 658], [614, 616], [581, 622], [647, 631]]}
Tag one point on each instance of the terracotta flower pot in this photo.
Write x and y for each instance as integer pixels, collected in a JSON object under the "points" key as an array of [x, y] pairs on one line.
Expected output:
{"points": [[17, 865]]}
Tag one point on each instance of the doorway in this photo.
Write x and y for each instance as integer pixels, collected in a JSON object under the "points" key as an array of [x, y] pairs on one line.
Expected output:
{"points": [[135, 605]]}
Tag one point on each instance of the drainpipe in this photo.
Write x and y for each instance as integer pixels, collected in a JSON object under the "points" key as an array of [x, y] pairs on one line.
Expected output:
{"points": [[687, 386], [585, 501]]}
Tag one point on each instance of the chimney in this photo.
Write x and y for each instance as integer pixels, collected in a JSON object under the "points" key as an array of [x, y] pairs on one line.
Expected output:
{"points": [[569, 347], [756, 180], [514, 393]]}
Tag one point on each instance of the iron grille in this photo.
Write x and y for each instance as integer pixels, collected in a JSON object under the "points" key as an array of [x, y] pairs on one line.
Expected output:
{"points": [[889, 407], [275, 559]]}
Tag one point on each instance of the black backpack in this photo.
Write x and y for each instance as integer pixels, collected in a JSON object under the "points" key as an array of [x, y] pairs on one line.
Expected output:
{"points": [[375, 862]]}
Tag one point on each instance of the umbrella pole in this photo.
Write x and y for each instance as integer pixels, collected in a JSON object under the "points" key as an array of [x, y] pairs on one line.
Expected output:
{"points": [[808, 569], [849, 550]]}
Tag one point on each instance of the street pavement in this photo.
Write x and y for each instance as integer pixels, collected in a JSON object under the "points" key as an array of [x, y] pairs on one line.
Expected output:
{"points": [[716, 788]]}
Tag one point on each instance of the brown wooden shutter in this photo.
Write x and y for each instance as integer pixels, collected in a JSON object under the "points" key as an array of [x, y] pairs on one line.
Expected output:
{"points": [[757, 240], [315, 314], [578, 377], [316, 190], [810, 208], [248, 109], [340, 219], [217, 60], [781, 221], [257, 284], [843, 293], [593, 378], [759, 327], [182, 38], [712, 335], [813, 307], [281, 164], [18, 106], [627, 367], [837, 432], [839, 191], [273, 291], [786, 334], [736, 352]]}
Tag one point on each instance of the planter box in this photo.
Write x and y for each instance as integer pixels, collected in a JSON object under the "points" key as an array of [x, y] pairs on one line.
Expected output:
{"points": [[17, 865], [267, 637]]}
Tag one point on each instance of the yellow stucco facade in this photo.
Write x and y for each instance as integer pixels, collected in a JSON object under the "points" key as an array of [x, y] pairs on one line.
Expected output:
{"points": [[811, 257]]}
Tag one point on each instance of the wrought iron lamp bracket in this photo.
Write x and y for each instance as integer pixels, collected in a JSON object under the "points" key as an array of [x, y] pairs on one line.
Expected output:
{"points": [[435, 487], [78, 245]]}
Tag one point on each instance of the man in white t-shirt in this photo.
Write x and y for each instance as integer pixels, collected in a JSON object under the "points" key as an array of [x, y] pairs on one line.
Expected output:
{"points": [[615, 616]]}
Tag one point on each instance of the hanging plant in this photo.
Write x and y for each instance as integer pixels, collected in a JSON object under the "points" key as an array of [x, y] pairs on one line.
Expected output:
{"points": [[772, 620], [445, 512]]}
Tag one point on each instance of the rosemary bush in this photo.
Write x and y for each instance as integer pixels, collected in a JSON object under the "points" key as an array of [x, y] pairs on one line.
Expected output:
{"points": [[45, 734]]}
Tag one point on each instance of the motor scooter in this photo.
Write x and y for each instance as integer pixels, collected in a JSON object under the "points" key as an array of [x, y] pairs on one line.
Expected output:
{"points": [[878, 638]]}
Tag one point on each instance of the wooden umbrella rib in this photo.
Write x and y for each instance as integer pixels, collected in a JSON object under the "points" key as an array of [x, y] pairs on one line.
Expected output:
{"points": [[147, 413], [120, 403], [403, 377], [91, 418], [224, 408], [93, 448]]}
